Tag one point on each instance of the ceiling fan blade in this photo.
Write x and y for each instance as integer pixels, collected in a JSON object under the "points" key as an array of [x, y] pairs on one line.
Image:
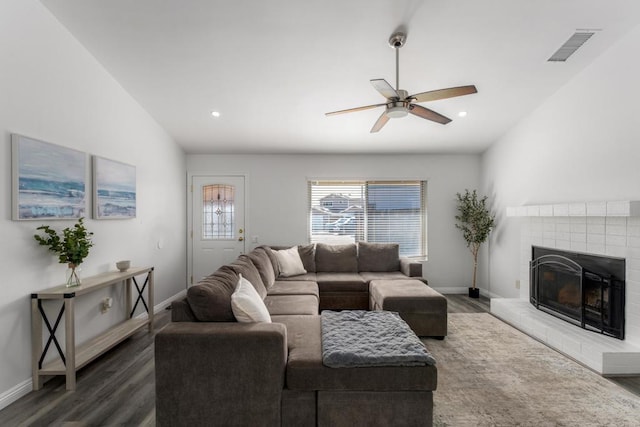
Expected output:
{"points": [[451, 92], [382, 120], [352, 110], [385, 89], [425, 113]]}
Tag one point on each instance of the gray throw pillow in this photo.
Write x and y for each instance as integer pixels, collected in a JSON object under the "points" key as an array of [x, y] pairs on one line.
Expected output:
{"points": [[336, 258], [378, 257]]}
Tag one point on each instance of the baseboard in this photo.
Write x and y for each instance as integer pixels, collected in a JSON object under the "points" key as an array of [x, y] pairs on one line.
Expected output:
{"points": [[15, 393], [166, 303], [461, 290], [25, 387], [489, 294], [451, 290]]}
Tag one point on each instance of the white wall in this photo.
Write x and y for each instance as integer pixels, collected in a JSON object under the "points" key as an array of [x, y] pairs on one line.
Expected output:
{"points": [[278, 197], [583, 144], [52, 89]]}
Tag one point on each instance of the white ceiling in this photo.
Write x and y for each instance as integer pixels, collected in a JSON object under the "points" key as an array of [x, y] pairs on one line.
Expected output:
{"points": [[273, 68]]}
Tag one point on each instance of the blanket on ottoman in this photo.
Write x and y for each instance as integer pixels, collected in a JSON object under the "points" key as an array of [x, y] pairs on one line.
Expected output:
{"points": [[360, 338]]}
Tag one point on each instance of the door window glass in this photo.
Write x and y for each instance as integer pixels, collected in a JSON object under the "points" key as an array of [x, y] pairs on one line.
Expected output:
{"points": [[218, 212]]}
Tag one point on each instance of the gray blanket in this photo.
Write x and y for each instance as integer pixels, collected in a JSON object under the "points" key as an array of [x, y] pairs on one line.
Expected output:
{"points": [[370, 338]]}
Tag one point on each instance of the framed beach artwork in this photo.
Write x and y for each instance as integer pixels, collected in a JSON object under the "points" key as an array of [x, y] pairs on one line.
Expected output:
{"points": [[114, 184], [48, 180]]}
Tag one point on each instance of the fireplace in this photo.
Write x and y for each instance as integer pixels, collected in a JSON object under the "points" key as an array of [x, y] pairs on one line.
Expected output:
{"points": [[583, 289]]}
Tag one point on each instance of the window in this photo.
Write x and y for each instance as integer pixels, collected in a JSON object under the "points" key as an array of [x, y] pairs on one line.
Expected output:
{"points": [[218, 212], [369, 211]]}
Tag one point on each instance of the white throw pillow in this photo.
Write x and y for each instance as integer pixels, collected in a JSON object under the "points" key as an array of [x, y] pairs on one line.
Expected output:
{"points": [[289, 262], [247, 305]]}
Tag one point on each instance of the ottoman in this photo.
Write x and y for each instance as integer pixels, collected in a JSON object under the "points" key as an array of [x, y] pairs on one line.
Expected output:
{"points": [[364, 396], [424, 309]]}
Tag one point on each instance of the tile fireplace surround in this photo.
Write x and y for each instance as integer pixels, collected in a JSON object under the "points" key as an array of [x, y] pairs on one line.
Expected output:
{"points": [[600, 228]]}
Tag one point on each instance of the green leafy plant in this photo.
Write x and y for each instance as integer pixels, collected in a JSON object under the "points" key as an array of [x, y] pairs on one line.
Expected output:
{"points": [[476, 222], [72, 247]]}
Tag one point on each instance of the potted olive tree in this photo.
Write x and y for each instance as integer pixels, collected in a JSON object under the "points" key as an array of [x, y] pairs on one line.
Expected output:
{"points": [[476, 222], [72, 247]]}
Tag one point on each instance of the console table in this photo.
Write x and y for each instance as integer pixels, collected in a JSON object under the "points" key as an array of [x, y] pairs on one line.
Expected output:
{"points": [[72, 358]]}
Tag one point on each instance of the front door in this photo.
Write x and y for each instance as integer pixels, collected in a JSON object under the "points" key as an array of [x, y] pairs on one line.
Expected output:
{"points": [[218, 234]]}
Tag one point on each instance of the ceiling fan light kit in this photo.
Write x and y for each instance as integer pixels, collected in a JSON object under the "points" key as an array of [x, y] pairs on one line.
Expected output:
{"points": [[399, 102], [397, 111]]}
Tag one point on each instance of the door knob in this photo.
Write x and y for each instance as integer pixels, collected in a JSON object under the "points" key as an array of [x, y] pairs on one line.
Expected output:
{"points": [[240, 239]]}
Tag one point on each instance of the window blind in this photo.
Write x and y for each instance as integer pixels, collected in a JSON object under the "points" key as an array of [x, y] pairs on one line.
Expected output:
{"points": [[369, 211]]}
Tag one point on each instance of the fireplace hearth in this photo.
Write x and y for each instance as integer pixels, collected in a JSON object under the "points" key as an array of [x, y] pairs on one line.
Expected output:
{"points": [[583, 289]]}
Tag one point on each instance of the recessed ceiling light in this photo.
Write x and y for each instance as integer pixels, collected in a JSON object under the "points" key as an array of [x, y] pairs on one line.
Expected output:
{"points": [[462, 114], [215, 114]]}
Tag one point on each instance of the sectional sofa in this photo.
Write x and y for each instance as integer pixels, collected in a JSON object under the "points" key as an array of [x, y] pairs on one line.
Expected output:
{"points": [[213, 370]]}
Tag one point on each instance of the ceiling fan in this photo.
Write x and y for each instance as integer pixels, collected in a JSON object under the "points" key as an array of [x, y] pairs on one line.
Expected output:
{"points": [[399, 102]]}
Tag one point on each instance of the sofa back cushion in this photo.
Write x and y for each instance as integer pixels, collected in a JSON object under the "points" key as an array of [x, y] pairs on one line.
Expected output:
{"points": [[243, 265], [378, 257], [308, 257], [272, 256], [262, 261], [210, 299], [336, 258]]}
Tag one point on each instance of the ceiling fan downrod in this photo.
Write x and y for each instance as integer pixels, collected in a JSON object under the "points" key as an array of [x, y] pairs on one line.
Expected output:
{"points": [[396, 41]]}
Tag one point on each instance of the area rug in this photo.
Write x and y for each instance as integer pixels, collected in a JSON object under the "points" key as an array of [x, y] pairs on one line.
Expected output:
{"points": [[491, 374]]}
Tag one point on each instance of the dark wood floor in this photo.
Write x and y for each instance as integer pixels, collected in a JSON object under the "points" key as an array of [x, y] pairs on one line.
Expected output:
{"points": [[464, 304], [119, 387], [116, 389]]}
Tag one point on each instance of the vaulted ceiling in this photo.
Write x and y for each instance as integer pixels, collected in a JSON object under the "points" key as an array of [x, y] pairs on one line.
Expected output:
{"points": [[273, 68]]}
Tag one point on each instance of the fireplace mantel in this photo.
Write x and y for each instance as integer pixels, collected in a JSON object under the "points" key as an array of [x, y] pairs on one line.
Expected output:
{"points": [[625, 208]]}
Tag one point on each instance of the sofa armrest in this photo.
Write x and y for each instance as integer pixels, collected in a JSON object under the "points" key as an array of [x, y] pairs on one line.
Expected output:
{"points": [[208, 373], [411, 268]]}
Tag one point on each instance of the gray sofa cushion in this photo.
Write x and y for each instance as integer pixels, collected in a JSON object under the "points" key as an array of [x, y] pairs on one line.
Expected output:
{"points": [[378, 256], [261, 260], [291, 304], [411, 267], [243, 265], [336, 258], [291, 287], [332, 282], [368, 276], [308, 257], [273, 259], [308, 277], [210, 299]]}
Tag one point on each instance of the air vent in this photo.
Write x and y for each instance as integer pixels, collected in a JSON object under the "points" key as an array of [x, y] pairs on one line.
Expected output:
{"points": [[570, 46]]}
